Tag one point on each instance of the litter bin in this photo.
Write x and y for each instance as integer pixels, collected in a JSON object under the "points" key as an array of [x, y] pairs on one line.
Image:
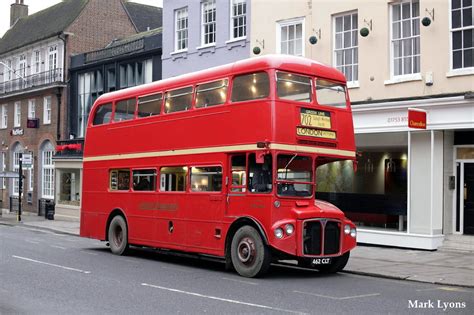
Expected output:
{"points": [[46, 207]]}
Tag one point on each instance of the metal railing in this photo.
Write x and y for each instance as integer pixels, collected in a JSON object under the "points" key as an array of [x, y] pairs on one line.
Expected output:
{"points": [[34, 80]]}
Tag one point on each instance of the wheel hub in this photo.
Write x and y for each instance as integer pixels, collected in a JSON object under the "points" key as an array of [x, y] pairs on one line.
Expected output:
{"points": [[246, 250]]}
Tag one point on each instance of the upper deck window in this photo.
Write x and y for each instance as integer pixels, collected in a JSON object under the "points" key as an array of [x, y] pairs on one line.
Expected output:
{"points": [[103, 114], [178, 100], [210, 94], [293, 87], [330, 93], [125, 109], [250, 87], [150, 105]]}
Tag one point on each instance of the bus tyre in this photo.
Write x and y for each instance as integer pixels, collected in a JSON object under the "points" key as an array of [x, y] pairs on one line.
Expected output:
{"points": [[337, 264], [118, 235], [250, 256]]}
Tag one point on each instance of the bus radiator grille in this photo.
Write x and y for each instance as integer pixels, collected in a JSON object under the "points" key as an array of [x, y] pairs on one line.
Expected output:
{"points": [[313, 232], [312, 238], [332, 238]]}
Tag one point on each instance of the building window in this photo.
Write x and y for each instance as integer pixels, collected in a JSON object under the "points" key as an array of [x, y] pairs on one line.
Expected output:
{"points": [[47, 171], [462, 30], [22, 67], [136, 73], [238, 18], [181, 29], [17, 115], [47, 110], [346, 46], [30, 179], [208, 31], [4, 122], [4, 168], [406, 38], [16, 167], [53, 57], [90, 87], [32, 109], [36, 61], [290, 37]]}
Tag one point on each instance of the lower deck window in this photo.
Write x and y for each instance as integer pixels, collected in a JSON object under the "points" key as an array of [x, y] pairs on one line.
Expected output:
{"points": [[120, 179], [173, 178], [144, 180], [206, 178]]}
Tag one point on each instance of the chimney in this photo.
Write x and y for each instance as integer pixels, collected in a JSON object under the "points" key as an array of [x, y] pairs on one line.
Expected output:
{"points": [[17, 11]]}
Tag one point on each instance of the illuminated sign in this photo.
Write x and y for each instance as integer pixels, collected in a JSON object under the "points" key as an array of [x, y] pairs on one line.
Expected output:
{"points": [[315, 118], [317, 133]]}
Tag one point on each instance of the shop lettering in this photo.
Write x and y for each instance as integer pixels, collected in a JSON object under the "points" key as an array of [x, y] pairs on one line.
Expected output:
{"points": [[398, 119], [17, 132], [417, 124]]}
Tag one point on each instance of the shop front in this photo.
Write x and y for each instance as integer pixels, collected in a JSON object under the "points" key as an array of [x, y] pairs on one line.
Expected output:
{"points": [[404, 192]]}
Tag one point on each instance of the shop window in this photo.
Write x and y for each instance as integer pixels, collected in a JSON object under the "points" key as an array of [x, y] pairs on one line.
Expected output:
{"points": [[293, 87], [206, 178], [150, 105], [125, 109], [69, 187], [179, 100], [103, 114], [250, 87], [120, 179], [144, 180], [173, 178], [210, 94], [330, 93]]}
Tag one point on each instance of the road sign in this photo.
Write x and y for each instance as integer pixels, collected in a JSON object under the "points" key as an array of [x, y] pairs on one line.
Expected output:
{"points": [[9, 174], [27, 160]]}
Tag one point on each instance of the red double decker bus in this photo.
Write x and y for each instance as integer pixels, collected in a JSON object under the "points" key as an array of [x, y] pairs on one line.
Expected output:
{"points": [[222, 162]]}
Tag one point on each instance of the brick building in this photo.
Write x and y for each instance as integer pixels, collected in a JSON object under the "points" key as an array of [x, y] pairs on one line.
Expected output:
{"points": [[34, 61]]}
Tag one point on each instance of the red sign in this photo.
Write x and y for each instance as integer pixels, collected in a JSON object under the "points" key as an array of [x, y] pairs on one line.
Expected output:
{"points": [[416, 119]]}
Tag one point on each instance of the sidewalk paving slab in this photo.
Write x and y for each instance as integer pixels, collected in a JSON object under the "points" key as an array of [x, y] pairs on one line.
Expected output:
{"points": [[439, 267]]}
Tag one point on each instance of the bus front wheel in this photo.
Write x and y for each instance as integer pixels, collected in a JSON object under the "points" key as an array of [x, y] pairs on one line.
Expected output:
{"points": [[118, 235], [250, 256]]}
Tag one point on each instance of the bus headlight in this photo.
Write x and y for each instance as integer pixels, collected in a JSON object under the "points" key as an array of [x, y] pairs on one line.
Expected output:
{"points": [[289, 229], [353, 233], [347, 229], [278, 233]]}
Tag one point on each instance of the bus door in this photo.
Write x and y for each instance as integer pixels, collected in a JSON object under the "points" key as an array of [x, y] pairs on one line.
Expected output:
{"points": [[237, 186], [205, 208]]}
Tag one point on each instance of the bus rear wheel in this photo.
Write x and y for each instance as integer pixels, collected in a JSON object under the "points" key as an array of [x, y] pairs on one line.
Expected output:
{"points": [[118, 235], [249, 254]]}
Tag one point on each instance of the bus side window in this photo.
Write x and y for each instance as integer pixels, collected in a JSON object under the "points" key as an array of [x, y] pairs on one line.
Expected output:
{"points": [[103, 114], [250, 87], [150, 105], [239, 174], [173, 178], [144, 180], [125, 109], [206, 178], [260, 174], [178, 100], [119, 179], [210, 94]]}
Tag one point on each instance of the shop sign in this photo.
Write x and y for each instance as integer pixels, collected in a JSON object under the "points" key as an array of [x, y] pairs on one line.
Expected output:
{"points": [[17, 132], [416, 118]]}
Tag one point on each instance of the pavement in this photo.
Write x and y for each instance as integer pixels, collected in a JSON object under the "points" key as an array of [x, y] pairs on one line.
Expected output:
{"points": [[446, 267]]}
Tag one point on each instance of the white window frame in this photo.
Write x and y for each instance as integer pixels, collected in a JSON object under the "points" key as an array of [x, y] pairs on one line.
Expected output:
{"points": [[287, 23], [47, 110], [4, 122], [17, 114], [36, 62], [8, 70], [237, 3], [463, 70], [412, 74], [22, 65], [31, 178], [53, 57], [31, 108], [206, 6], [354, 64], [4, 168], [47, 174], [16, 167], [179, 15]]}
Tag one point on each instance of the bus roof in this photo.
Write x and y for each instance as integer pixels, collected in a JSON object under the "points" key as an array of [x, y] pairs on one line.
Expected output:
{"points": [[282, 62]]}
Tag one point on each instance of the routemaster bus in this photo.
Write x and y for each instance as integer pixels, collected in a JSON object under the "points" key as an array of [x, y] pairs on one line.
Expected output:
{"points": [[222, 163]]}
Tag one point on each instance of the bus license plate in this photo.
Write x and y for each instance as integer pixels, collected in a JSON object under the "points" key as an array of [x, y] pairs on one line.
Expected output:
{"points": [[321, 261]]}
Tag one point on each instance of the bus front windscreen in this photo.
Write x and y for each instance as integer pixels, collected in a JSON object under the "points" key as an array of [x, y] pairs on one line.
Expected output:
{"points": [[295, 175]]}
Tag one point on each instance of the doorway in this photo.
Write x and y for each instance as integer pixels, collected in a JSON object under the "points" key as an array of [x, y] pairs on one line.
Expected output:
{"points": [[465, 198]]}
